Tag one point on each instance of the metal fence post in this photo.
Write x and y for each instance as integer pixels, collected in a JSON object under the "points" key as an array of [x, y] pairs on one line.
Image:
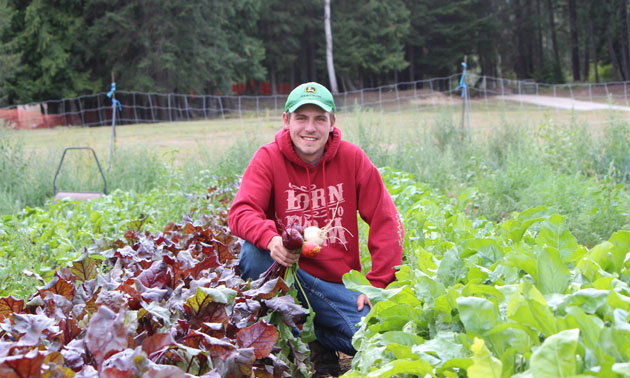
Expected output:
{"points": [[187, 107], [170, 118], [65, 119], [151, 107], [203, 105], [98, 110], [221, 107], [485, 89], [380, 101], [135, 112], [81, 111]]}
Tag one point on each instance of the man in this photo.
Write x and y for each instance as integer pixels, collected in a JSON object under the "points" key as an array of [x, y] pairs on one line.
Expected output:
{"points": [[309, 176]]}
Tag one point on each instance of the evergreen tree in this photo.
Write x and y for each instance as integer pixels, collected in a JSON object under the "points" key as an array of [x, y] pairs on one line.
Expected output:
{"points": [[450, 35], [8, 61], [200, 46], [369, 38], [279, 28], [49, 38]]}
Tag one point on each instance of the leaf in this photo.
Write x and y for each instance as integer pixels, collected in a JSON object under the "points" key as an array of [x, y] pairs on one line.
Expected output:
{"points": [[357, 281], [236, 364], [203, 308], [610, 254], [485, 365], [291, 312], [444, 345], [553, 275], [555, 233], [207, 263], [260, 336], [527, 306], [58, 286], [514, 229], [31, 327], [479, 315], [418, 367], [205, 297], [487, 248], [589, 299], [452, 268], [622, 368], [556, 356], [522, 256], [157, 342], [268, 290], [105, 335], [157, 276], [158, 312], [590, 327], [10, 305], [84, 269], [165, 371], [26, 365]]}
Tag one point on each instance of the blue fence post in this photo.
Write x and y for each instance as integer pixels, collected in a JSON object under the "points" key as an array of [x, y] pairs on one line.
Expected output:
{"points": [[115, 103]]}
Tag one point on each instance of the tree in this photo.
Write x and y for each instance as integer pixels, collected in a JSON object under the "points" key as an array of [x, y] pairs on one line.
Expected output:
{"points": [[280, 39], [329, 48], [420, 22], [573, 40], [9, 62], [200, 46], [49, 39], [450, 34], [369, 38]]}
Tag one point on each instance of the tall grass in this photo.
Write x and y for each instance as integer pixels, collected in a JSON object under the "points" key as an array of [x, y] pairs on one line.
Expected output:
{"points": [[581, 175], [27, 178]]}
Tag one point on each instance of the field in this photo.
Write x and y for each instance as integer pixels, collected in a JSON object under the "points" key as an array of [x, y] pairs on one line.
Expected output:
{"points": [[516, 248]]}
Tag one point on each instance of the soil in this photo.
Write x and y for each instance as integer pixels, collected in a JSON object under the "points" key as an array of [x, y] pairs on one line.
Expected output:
{"points": [[345, 362]]}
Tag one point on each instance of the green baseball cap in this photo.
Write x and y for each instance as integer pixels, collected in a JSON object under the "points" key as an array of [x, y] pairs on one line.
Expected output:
{"points": [[310, 93]]}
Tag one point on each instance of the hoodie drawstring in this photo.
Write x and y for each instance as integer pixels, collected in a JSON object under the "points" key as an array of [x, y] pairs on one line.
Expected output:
{"points": [[325, 187], [308, 177]]}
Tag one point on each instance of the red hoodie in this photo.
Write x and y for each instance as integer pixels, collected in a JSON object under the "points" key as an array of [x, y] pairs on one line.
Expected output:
{"points": [[279, 187]]}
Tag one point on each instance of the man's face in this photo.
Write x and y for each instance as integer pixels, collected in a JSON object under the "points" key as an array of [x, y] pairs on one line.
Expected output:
{"points": [[309, 127]]}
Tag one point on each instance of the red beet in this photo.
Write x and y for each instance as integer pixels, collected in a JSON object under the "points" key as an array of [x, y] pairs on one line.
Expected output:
{"points": [[310, 249], [292, 238]]}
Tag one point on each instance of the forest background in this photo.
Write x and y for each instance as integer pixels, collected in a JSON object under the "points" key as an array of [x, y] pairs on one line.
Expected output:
{"points": [[66, 48]]}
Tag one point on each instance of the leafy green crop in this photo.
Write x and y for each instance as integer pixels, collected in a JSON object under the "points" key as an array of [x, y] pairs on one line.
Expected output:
{"points": [[40, 240], [479, 299]]}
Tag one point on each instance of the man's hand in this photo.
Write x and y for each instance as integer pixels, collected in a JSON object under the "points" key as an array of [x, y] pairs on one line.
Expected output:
{"points": [[362, 301], [280, 254]]}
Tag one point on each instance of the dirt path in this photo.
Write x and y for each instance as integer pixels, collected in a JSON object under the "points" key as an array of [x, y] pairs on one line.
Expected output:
{"points": [[563, 103]]}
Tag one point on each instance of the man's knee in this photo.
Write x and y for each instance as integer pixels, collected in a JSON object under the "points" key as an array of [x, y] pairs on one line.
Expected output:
{"points": [[253, 261]]}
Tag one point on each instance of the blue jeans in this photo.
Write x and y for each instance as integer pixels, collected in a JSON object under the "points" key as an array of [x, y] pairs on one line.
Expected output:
{"points": [[335, 306]]}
